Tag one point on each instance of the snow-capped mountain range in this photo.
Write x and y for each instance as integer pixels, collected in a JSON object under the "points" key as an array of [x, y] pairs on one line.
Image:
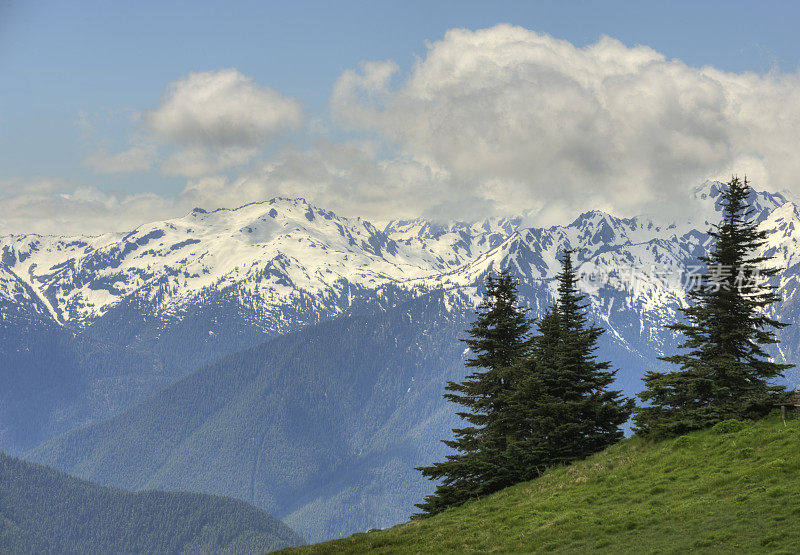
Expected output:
{"points": [[268, 255], [275, 256]]}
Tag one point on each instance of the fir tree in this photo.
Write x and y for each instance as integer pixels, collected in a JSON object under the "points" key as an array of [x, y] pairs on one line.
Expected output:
{"points": [[498, 338], [726, 373], [562, 407]]}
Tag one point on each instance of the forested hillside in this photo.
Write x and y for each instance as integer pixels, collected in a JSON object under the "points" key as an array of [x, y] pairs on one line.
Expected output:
{"points": [[45, 511], [54, 380], [322, 427]]}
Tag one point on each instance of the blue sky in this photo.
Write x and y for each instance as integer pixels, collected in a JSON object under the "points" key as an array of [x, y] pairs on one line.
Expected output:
{"points": [[77, 77]]}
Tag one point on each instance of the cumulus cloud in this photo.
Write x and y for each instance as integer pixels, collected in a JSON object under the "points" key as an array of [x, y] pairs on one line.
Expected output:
{"points": [[207, 122], [38, 206], [342, 176], [489, 122], [223, 109], [198, 161], [518, 118]]}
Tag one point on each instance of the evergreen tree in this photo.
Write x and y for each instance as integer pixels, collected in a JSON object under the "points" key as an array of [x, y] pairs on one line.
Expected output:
{"points": [[726, 373], [498, 338], [562, 407]]}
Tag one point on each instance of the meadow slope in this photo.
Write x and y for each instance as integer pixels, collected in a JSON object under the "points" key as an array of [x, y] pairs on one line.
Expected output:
{"points": [[732, 488]]}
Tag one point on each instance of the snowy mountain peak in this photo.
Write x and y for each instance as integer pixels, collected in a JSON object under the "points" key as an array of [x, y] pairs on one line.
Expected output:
{"points": [[267, 256], [783, 232], [709, 196], [263, 251], [708, 189]]}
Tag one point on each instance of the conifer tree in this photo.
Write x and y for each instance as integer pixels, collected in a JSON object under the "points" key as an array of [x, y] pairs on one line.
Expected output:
{"points": [[562, 406], [726, 373], [498, 338]]}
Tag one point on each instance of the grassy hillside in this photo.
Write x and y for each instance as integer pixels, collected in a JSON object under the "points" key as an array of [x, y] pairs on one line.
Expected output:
{"points": [[716, 491], [45, 511]]}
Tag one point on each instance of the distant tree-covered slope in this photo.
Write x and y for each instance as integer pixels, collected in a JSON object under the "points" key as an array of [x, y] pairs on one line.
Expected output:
{"points": [[322, 427], [45, 511], [53, 380]]}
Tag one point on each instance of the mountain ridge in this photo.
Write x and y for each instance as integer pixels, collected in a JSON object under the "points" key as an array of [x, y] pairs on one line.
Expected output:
{"points": [[186, 291], [45, 511], [268, 250]]}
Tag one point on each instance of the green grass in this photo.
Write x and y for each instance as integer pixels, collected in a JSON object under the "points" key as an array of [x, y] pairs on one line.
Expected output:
{"points": [[720, 490]]}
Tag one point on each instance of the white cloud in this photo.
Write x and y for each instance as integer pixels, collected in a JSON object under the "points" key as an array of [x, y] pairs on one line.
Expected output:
{"points": [[223, 109], [207, 122], [521, 119], [199, 161], [344, 177], [488, 122], [37, 206], [138, 157]]}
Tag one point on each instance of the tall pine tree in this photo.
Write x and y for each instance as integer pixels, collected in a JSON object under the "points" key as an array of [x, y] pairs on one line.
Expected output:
{"points": [[562, 408], [498, 339], [726, 373]]}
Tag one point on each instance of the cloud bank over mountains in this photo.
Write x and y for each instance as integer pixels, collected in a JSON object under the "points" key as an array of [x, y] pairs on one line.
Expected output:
{"points": [[488, 122]]}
